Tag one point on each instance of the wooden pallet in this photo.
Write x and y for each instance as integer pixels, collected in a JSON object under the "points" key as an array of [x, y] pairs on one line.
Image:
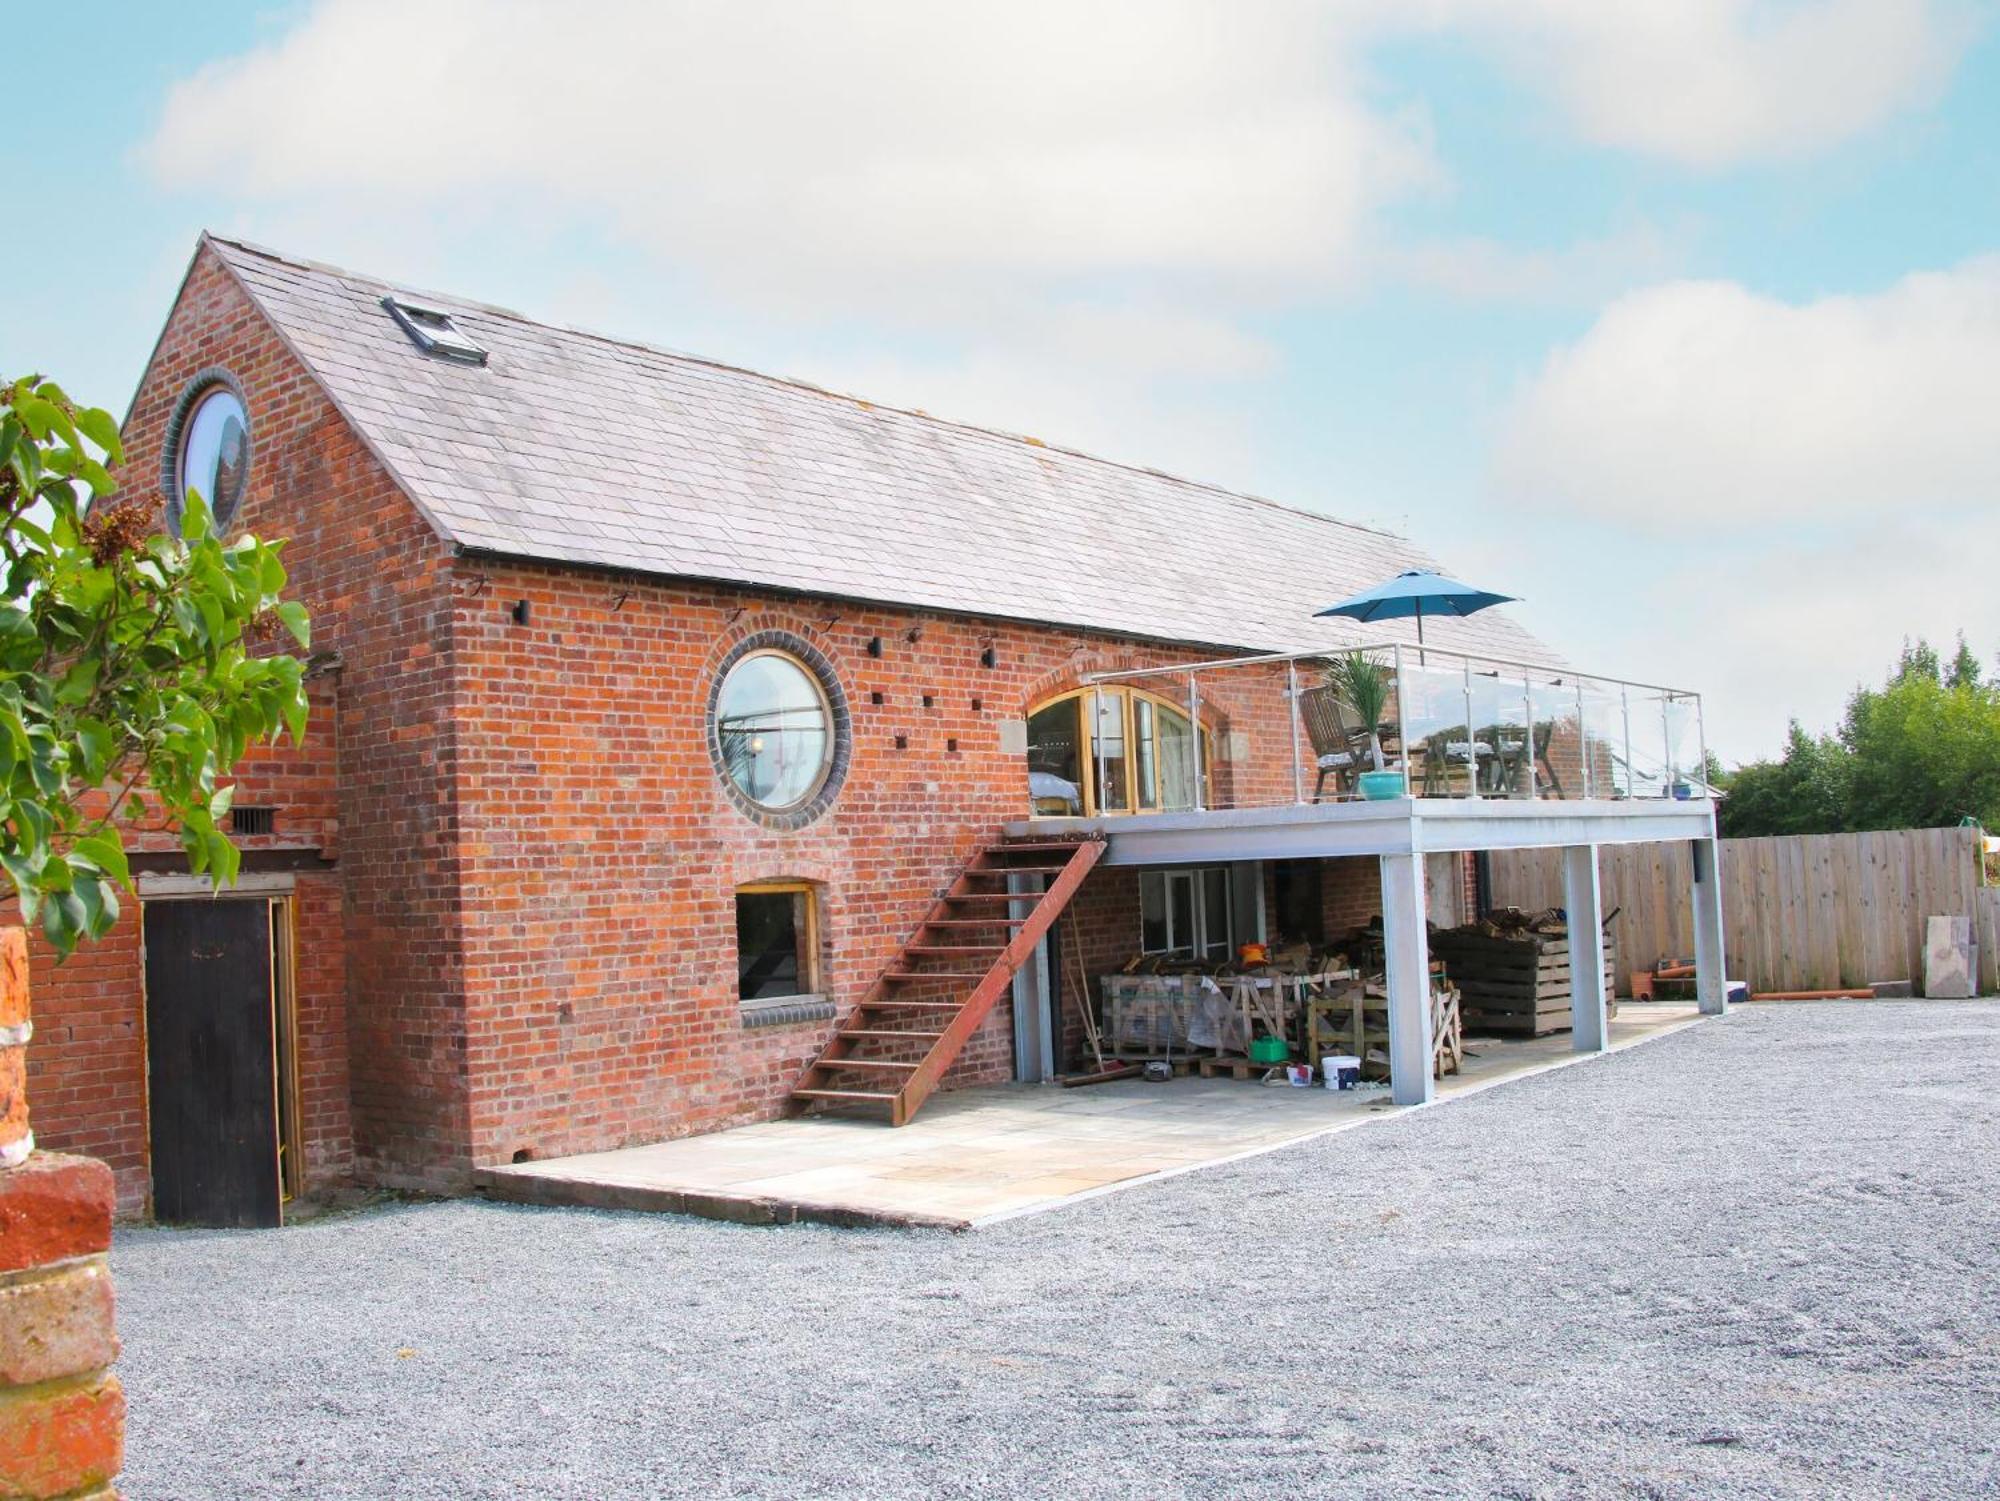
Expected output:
{"points": [[1234, 1068], [1183, 1063]]}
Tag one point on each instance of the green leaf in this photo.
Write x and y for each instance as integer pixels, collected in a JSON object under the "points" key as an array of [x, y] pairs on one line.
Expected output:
{"points": [[297, 621], [107, 853], [195, 517], [38, 416], [58, 926], [98, 744], [101, 428], [96, 476]]}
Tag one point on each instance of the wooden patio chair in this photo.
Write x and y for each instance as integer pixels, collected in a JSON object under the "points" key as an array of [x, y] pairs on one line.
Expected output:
{"points": [[1443, 756], [1508, 768], [1337, 745], [1545, 730]]}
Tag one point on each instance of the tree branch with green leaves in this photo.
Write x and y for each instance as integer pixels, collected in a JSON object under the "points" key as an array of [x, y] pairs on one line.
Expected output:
{"points": [[134, 665]]}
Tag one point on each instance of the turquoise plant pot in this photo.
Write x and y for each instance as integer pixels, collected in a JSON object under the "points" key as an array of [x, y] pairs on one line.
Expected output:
{"points": [[1376, 785]]}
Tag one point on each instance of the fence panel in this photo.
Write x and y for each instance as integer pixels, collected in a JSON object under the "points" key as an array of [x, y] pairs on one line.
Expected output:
{"points": [[1799, 912]]}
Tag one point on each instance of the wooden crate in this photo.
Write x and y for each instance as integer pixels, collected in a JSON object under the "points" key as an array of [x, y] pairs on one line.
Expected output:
{"points": [[1147, 1016], [1516, 986]]}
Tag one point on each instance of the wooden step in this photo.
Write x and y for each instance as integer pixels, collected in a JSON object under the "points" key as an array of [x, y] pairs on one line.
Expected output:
{"points": [[973, 992], [884, 1063]]}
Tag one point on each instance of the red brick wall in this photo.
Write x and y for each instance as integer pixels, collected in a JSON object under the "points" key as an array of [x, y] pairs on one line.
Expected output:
{"points": [[378, 944], [533, 945], [602, 854], [88, 1065]]}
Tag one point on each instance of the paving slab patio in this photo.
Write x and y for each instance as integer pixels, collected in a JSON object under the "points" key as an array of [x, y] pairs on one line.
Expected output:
{"points": [[976, 1156]]}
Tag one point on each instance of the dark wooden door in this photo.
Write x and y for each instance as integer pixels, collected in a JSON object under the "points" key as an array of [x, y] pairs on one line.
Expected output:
{"points": [[211, 1062]]}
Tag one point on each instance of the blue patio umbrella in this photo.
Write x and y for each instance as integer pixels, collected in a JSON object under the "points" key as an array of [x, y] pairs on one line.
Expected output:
{"points": [[1418, 592]]}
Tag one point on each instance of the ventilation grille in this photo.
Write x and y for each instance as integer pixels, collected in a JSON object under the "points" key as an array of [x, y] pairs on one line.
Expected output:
{"points": [[253, 820]]}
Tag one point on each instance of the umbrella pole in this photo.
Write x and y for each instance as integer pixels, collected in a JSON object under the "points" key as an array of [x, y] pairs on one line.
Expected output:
{"points": [[1420, 633]]}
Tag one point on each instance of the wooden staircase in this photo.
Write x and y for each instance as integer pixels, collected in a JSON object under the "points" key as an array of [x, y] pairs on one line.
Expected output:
{"points": [[895, 1046]]}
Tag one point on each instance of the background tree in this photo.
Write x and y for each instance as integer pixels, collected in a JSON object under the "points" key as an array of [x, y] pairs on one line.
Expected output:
{"points": [[136, 667], [1921, 751], [1804, 791]]}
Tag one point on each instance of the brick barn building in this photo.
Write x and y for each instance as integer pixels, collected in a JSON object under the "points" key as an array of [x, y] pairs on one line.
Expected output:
{"points": [[655, 704]]}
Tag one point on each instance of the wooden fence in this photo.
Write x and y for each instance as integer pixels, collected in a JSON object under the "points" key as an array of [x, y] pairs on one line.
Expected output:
{"points": [[1801, 912]]}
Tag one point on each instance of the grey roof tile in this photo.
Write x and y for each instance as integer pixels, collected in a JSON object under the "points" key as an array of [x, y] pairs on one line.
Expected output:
{"points": [[572, 447]]}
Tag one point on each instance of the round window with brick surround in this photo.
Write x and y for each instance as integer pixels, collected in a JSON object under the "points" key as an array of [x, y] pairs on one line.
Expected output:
{"points": [[208, 448], [778, 730]]}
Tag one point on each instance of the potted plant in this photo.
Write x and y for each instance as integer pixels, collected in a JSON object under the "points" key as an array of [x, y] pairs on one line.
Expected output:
{"points": [[1363, 685]]}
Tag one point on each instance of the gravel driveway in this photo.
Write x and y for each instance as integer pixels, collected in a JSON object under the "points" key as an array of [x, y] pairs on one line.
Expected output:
{"points": [[1759, 1257]]}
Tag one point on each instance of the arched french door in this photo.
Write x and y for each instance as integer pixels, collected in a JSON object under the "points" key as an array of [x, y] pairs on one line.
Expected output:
{"points": [[1112, 750]]}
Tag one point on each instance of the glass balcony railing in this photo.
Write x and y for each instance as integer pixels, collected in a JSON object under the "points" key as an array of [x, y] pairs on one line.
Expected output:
{"points": [[1373, 722]]}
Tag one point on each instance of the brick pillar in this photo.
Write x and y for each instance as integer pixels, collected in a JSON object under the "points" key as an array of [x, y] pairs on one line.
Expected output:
{"points": [[62, 1415]]}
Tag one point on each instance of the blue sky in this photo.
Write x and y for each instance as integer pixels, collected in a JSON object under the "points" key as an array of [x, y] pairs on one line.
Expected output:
{"points": [[1679, 318]]}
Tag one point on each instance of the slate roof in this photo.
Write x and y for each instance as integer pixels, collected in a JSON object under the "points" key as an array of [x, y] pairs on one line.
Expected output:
{"points": [[575, 448]]}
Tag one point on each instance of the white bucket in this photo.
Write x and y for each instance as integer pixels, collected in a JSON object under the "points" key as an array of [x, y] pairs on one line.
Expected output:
{"points": [[1334, 1065]]}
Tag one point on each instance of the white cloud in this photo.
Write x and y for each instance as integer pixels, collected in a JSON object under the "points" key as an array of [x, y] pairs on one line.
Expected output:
{"points": [[1481, 269], [1079, 220], [1704, 403], [814, 147], [1708, 83], [1805, 485], [952, 169]]}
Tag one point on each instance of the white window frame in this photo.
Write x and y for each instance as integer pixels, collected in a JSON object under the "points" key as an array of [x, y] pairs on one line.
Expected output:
{"points": [[1202, 882]]}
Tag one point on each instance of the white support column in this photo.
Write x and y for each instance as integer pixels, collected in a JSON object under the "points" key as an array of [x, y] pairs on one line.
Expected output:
{"points": [[1585, 906], [1407, 951], [1710, 987]]}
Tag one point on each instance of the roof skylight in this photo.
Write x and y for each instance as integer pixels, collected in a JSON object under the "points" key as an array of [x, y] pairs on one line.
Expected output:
{"points": [[432, 331]]}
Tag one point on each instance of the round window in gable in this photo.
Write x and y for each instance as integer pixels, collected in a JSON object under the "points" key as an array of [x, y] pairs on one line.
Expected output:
{"points": [[778, 730], [208, 448]]}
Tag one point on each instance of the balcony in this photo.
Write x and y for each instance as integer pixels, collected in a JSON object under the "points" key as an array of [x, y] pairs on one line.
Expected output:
{"points": [[1292, 758], [1397, 753]]}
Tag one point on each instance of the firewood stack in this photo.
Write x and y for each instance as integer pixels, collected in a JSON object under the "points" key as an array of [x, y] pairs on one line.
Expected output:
{"points": [[1512, 970]]}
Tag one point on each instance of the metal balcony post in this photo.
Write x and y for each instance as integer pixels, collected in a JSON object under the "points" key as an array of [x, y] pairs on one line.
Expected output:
{"points": [[1194, 721], [1667, 748], [1583, 739], [1631, 771], [1701, 734], [1471, 744], [1097, 741], [1528, 730], [1292, 697], [1402, 713]]}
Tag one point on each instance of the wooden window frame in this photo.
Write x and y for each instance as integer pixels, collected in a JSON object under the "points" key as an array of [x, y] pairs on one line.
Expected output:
{"points": [[1086, 722], [811, 980]]}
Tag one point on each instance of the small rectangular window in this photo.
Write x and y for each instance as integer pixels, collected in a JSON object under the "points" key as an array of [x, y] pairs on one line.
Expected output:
{"points": [[776, 943]]}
